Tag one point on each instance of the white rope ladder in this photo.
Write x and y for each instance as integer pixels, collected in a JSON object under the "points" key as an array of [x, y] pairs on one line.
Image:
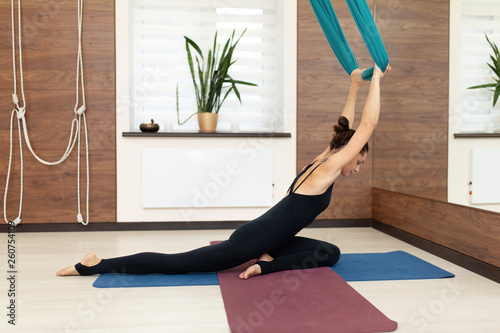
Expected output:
{"points": [[20, 112]]}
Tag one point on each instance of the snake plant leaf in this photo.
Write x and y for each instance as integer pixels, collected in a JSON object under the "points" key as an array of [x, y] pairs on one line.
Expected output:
{"points": [[203, 84], [495, 67], [194, 45], [215, 42], [487, 85], [236, 43], [495, 70], [495, 96], [224, 65], [244, 82], [209, 65], [495, 61], [226, 46], [225, 96], [233, 86], [236, 92], [178, 116], [494, 47], [191, 68]]}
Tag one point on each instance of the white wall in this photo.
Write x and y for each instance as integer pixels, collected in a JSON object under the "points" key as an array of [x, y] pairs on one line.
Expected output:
{"points": [[459, 150], [129, 150]]}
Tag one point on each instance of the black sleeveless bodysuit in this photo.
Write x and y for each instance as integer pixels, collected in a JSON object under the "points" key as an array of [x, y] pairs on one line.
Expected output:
{"points": [[273, 233]]}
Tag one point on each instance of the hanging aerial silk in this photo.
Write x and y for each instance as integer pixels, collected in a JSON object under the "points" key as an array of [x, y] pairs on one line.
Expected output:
{"points": [[336, 38]]}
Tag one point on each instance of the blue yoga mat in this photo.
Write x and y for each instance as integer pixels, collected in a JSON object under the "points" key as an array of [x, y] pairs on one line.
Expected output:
{"points": [[396, 265], [155, 280]]}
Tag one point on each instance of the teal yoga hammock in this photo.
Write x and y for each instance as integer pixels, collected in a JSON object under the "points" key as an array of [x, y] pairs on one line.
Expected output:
{"points": [[336, 38]]}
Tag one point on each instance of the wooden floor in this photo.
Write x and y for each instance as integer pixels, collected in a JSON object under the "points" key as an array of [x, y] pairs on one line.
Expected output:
{"points": [[46, 303]]}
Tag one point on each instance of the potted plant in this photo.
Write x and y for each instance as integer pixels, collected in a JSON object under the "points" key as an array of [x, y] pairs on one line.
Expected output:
{"points": [[211, 78], [495, 67]]}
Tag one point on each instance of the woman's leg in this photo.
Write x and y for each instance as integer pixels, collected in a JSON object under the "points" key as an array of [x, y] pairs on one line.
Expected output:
{"points": [[243, 245], [206, 259], [301, 253]]}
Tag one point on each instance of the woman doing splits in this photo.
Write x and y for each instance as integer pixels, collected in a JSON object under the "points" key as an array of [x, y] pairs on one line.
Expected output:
{"points": [[271, 237]]}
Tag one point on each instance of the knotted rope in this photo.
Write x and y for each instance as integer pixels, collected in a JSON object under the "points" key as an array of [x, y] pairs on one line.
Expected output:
{"points": [[20, 112]]}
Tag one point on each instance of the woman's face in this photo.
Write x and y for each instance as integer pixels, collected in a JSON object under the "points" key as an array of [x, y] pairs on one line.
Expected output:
{"points": [[354, 165]]}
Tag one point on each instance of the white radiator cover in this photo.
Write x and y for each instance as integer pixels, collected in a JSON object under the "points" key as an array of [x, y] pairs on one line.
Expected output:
{"points": [[207, 177], [485, 176]]}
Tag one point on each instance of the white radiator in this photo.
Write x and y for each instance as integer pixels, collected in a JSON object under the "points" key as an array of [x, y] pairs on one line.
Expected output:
{"points": [[209, 177], [485, 176]]}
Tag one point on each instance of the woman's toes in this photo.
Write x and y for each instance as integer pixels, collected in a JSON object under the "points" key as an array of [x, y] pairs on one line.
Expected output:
{"points": [[68, 271]]}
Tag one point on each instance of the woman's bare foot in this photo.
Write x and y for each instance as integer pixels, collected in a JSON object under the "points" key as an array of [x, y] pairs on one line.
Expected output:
{"points": [[250, 271], [265, 257], [89, 260], [255, 269]]}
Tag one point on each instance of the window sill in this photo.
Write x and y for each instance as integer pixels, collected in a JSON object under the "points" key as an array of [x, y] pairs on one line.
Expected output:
{"points": [[476, 135], [206, 135]]}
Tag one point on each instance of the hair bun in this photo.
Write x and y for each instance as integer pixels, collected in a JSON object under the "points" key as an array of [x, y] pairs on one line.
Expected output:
{"points": [[343, 125]]}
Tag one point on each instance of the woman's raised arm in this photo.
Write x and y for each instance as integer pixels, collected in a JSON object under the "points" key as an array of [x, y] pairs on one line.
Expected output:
{"points": [[349, 108], [356, 83], [369, 120]]}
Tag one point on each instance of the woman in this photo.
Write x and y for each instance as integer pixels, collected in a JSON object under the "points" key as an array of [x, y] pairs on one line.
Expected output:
{"points": [[271, 238]]}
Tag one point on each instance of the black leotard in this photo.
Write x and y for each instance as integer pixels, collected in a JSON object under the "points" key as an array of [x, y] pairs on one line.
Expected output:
{"points": [[273, 233]]}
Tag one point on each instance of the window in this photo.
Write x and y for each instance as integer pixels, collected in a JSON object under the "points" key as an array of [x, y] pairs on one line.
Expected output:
{"points": [[159, 61], [478, 18]]}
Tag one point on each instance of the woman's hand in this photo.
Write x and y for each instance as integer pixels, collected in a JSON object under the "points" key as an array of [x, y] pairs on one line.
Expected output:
{"points": [[377, 72], [356, 79]]}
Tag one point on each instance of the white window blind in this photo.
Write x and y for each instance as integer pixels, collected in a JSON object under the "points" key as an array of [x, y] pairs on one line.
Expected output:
{"points": [[479, 17], [159, 61]]}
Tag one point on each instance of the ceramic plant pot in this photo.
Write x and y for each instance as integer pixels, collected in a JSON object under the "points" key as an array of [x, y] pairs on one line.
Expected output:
{"points": [[207, 122]]}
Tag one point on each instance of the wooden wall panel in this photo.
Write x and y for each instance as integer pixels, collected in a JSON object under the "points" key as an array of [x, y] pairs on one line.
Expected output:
{"points": [[323, 87], [411, 141], [49, 61], [473, 232]]}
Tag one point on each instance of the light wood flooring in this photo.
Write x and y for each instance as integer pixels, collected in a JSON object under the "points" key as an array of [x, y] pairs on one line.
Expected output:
{"points": [[46, 303]]}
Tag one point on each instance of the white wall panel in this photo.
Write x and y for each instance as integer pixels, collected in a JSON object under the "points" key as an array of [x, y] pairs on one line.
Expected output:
{"points": [[485, 175], [207, 177]]}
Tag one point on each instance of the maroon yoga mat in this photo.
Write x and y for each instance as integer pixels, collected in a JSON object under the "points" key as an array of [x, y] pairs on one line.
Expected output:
{"points": [[298, 301]]}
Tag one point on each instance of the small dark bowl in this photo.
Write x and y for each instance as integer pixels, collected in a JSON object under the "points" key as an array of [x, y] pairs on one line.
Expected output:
{"points": [[148, 127]]}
